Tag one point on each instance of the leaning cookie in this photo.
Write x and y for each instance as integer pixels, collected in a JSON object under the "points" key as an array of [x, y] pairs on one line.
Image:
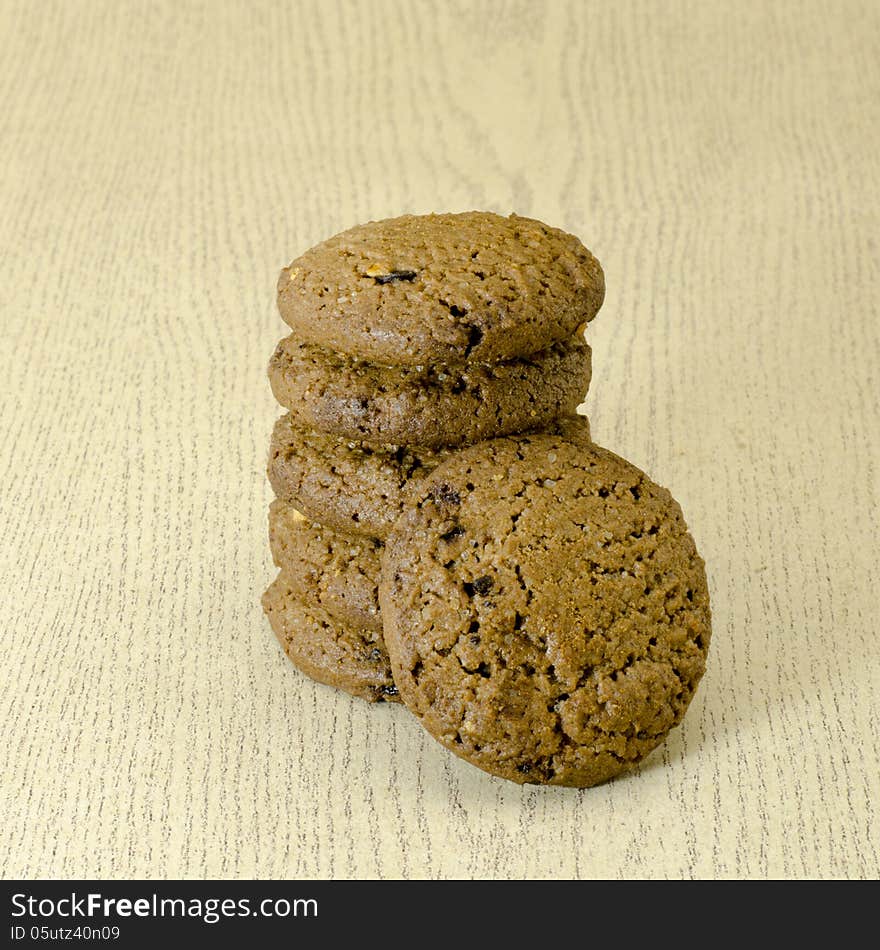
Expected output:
{"points": [[545, 609], [353, 486], [347, 657], [431, 406], [442, 288], [341, 572]]}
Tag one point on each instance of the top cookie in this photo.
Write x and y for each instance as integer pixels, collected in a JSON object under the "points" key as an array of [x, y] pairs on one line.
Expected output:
{"points": [[442, 287], [545, 609]]}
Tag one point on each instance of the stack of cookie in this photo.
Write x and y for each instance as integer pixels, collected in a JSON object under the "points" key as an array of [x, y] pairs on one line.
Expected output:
{"points": [[412, 339]]}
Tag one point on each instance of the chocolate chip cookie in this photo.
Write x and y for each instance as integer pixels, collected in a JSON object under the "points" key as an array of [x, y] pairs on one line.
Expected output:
{"points": [[340, 571], [442, 288], [348, 657], [353, 486], [432, 405], [545, 609]]}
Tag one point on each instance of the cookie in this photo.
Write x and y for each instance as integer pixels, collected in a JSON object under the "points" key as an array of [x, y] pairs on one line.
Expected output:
{"points": [[353, 486], [428, 405], [442, 288], [545, 610], [347, 657], [340, 571]]}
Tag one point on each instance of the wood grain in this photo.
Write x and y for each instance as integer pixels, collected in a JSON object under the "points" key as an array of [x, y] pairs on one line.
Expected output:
{"points": [[161, 161]]}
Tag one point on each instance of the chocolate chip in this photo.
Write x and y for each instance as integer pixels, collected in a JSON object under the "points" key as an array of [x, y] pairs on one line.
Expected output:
{"points": [[389, 690], [456, 531], [524, 768], [395, 275], [454, 310], [446, 495], [482, 585]]}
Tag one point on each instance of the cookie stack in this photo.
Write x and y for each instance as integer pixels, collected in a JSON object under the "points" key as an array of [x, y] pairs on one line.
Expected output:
{"points": [[446, 532], [412, 338]]}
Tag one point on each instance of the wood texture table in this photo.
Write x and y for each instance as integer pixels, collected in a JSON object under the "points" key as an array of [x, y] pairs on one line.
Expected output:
{"points": [[160, 162]]}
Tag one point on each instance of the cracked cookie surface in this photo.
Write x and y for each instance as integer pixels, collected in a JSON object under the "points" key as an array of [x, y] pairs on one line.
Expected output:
{"points": [[442, 288], [348, 657], [353, 486], [340, 571], [545, 609], [432, 405]]}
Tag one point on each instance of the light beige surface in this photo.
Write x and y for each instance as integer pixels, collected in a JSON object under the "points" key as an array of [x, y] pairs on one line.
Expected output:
{"points": [[158, 165]]}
